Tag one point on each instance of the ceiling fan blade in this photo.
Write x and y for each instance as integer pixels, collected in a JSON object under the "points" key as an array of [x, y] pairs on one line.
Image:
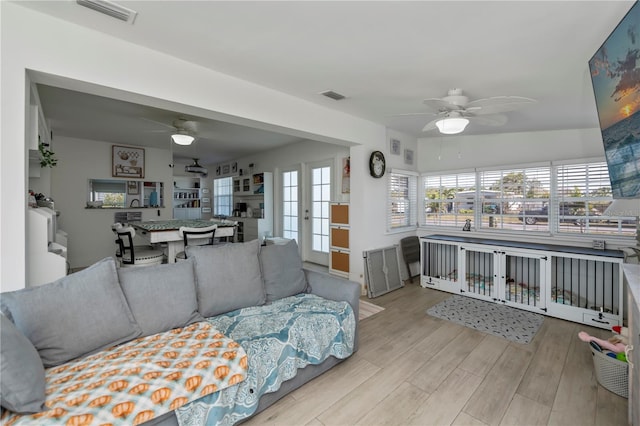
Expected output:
{"points": [[168, 126], [440, 105], [490, 120], [430, 125], [498, 104], [412, 114]]}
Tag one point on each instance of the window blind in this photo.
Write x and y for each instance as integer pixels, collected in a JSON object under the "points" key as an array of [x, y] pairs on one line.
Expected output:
{"points": [[402, 200]]}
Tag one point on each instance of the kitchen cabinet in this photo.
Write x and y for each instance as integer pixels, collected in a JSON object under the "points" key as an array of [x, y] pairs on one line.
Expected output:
{"points": [[578, 284], [255, 193], [149, 199]]}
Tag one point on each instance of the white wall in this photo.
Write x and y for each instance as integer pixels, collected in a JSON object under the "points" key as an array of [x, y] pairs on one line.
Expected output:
{"points": [[368, 201], [28, 42], [466, 152], [90, 235]]}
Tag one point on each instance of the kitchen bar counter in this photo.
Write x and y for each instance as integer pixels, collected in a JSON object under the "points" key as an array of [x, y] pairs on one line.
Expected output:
{"points": [[166, 231]]}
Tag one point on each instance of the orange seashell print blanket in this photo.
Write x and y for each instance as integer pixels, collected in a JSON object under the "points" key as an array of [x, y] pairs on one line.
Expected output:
{"points": [[139, 380]]}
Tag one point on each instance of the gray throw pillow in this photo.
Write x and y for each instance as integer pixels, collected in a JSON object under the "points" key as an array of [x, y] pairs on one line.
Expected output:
{"points": [[227, 276], [161, 297], [23, 379], [282, 271], [75, 315]]}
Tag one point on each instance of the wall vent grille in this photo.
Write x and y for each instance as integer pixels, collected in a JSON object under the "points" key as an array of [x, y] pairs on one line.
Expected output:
{"points": [[333, 95]]}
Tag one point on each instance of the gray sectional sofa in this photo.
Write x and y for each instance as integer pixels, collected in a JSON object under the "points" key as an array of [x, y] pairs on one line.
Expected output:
{"points": [[211, 340]]}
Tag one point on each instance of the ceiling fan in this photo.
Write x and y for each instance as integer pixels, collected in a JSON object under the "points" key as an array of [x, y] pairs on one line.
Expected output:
{"points": [[183, 132], [455, 111]]}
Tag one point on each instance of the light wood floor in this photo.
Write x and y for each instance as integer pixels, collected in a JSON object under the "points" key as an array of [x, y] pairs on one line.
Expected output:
{"points": [[414, 369]]}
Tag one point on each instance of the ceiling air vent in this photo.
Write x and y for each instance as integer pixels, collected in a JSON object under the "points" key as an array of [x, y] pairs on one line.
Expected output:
{"points": [[333, 95], [111, 9]]}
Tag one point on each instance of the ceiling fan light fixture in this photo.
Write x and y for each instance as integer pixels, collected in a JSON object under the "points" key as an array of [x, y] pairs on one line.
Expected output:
{"points": [[181, 138], [452, 125], [195, 167]]}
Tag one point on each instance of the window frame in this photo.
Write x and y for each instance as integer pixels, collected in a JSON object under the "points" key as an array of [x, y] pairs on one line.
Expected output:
{"points": [[216, 208], [410, 202], [288, 233], [526, 209], [454, 204]]}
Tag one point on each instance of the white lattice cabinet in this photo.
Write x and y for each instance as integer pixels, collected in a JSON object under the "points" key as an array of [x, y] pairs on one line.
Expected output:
{"points": [[574, 283]]}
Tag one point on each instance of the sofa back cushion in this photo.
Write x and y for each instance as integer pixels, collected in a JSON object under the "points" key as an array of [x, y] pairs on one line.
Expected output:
{"points": [[282, 271], [161, 297], [227, 276], [75, 315], [23, 379]]}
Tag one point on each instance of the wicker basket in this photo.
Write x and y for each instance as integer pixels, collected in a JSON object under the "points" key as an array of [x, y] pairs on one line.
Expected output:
{"points": [[611, 373]]}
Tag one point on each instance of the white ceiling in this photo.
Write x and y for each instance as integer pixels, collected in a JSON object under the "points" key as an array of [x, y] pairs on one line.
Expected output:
{"points": [[386, 57]]}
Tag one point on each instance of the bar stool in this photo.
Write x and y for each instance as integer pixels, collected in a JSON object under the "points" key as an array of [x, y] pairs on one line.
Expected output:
{"points": [[227, 232], [197, 234], [129, 255]]}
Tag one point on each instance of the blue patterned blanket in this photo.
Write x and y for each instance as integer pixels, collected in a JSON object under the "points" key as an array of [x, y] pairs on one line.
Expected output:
{"points": [[293, 332]]}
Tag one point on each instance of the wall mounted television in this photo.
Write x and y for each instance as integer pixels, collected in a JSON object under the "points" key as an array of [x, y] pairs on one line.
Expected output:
{"points": [[615, 76]]}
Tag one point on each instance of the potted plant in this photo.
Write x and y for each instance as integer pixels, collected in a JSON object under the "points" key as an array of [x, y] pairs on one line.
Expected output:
{"points": [[47, 157]]}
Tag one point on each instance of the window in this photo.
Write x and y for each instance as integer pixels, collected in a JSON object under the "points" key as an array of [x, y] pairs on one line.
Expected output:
{"points": [[561, 199], [401, 209], [449, 200], [112, 193], [223, 196], [290, 204], [515, 199], [584, 193]]}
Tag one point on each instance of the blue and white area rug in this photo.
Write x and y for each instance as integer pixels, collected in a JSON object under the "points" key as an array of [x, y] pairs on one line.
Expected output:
{"points": [[503, 321]]}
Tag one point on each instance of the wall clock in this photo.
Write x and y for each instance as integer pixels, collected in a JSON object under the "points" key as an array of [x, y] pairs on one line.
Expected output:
{"points": [[377, 164]]}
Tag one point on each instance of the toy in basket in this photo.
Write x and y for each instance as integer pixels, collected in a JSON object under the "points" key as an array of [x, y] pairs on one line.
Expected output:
{"points": [[610, 362]]}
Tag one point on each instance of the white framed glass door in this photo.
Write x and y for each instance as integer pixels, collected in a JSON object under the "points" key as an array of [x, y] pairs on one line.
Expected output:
{"points": [[316, 212], [290, 205]]}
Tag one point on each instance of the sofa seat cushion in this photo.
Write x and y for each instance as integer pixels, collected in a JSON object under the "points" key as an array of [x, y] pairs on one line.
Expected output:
{"points": [[161, 297], [141, 379], [282, 271], [227, 276], [22, 373], [279, 339], [75, 315]]}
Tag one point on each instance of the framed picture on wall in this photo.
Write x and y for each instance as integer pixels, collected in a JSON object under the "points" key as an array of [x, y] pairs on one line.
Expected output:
{"points": [[395, 147], [127, 161], [225, 169], [234, 167], [408, 156], [133, 187], [346, 175]]}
